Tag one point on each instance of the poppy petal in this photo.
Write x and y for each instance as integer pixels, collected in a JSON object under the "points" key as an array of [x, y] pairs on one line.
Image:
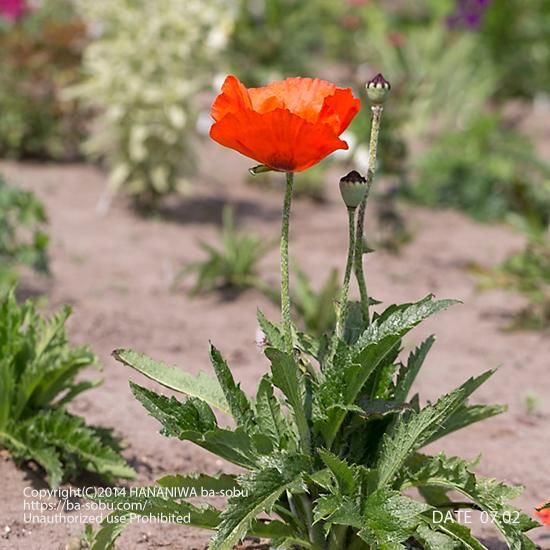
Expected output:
{"points": [[302, 96], [339, 109], [233, 98], [279, 139], [288, 125]]}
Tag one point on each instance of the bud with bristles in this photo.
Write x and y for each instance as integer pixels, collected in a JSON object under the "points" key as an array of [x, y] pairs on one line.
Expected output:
{"points": [[353, 188], [378, 89]]}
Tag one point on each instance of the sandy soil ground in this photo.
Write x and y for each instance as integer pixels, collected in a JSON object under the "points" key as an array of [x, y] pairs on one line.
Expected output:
{"points": [[116, 271]]}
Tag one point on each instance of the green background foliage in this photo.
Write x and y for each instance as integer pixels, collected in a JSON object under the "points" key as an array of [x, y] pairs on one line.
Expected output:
{"points": [[39, 57], [22, 237], [38, 371]]}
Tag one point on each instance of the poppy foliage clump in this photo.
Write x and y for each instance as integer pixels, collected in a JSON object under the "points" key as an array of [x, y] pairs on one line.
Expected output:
{"points": [[333, 440], [289, 125]]}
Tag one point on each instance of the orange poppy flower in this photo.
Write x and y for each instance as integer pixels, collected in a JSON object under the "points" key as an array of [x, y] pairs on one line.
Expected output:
{"points": [[288, 125], [543, 516]]}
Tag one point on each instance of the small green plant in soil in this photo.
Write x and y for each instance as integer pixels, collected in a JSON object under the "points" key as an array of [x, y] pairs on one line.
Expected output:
{"points": [[333, 440], [233, 266], [531, 402], [38, 371], [316, 310], [526, 272], [23, 241]]}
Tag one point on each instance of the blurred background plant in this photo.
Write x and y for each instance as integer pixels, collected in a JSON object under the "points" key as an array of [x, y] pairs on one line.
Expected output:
{"points": [[231, 267], [274, 39], [516, 36], [439, 82], [144, 69], [38, 374], [487, 170], [23, 241], [448, 139], [315, 311], [40, 54], [532, 402], [528, 273]]}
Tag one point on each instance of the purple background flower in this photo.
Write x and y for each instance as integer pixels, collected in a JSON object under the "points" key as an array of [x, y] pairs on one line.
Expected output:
{"points": [[12, 10], [468, 13]]}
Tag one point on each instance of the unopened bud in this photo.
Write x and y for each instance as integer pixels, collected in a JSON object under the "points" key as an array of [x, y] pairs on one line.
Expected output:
{"points": [[353, 188], [378, 89]]}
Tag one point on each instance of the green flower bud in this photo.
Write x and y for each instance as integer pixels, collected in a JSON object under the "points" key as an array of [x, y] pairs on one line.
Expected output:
{"points": [[353, 188], [378, 89]]}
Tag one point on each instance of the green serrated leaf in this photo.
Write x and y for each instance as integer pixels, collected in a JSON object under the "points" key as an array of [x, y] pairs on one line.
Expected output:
{"points": [[376, 408], [355, 325], [263, 489], [489, 494], [238, 402], [343, 473], [465, 416], [389, 518], [110, 529], [56, 439], [201, 386], [286, 375], [38, 371], [219, 484], [407, 374], [176, 417], [434, 540], [413, 430], [236, 446], [314, 347], [346, 384], [269, 416], [48, 458], [272, 332], [397, 320], [455, 531], [194, 421], [337, 510], [324, 479]]}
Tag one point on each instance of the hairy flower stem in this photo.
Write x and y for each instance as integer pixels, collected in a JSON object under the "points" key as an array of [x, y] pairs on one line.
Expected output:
{"points": [[315, 532], [285, 284], [338, 536], [358, 544], [343, 308], [359, 236]]}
